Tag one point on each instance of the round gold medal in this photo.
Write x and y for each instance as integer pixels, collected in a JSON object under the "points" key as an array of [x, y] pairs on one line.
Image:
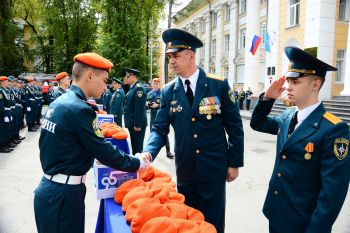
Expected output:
{"points": [[307, 156], [208, 117]]}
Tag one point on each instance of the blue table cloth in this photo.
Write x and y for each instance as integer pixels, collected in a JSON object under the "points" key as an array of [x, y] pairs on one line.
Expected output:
{"points": [[110, 217]]}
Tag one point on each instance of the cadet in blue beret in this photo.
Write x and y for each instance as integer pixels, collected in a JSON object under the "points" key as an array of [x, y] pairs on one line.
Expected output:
{"points": [[312, 167], [117, 101], [70, 140], [202, 110], [135, 109]]}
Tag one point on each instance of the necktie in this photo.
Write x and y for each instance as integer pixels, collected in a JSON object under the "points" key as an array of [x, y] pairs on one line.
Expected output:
{"points": [[293, 123], [189, 92]]}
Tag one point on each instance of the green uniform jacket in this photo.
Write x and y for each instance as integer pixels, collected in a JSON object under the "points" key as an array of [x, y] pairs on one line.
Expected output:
{"points": [[306, 192], [135, 107], [202, 152], [58, 93], [70, 139], [117, 102]]}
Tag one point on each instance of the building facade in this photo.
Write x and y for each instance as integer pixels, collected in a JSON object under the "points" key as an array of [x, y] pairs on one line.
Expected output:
{"points": [[227, 29]]}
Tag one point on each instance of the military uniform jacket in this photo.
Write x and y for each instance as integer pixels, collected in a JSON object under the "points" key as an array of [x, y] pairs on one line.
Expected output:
{"points": [[5, 106], [248, 94], [202, 152], [60, 91], [117, 102], [135, 107], [311, 174], [154, 97], [107, 100], [70, 139]]}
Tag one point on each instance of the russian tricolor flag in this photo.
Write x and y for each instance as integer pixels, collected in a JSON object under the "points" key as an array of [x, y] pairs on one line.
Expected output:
{"points": [[255, 44]]}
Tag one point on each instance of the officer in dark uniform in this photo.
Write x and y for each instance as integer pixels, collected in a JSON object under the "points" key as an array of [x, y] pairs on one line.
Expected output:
{"points": [[153, 102], [241, 97], [5, 116], [63, 84], [40, 102], [117, 101], [248, 98], [51, 93], [202, 110], [30, 103], [70, 139], [107, 96], [135, 110], [311, 174]]}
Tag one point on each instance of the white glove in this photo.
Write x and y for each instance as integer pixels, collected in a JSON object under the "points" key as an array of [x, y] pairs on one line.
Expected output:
{"points": [[144, 161], [11, 118], [6, 119], [29, 109]]}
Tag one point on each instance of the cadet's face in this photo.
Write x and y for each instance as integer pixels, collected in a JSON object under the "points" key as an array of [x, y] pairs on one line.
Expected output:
{"points": [[99, 83], [155, 86], [181, 61], [300, 91]]}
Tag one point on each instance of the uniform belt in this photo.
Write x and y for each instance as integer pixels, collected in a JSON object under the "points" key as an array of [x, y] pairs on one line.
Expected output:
{"points": [[66, 179]]}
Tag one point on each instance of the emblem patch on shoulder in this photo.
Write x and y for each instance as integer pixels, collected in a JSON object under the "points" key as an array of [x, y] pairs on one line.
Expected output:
{"points": [[232, 96], [96, 128], [340, 148], [139, 93]]}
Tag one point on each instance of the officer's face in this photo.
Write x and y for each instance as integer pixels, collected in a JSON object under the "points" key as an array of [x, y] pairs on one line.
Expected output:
{"points": [[302, 91], [181, 61]]}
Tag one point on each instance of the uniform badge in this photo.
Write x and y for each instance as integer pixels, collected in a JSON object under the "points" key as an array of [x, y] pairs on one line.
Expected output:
{"points": [[309, 148], [139, 93], [340, 148], [96, 128], [0, 96], [173, 102], [231, 95]]}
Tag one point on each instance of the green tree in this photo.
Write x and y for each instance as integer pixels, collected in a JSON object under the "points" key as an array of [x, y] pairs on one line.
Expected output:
{"points": [[11, 45]]}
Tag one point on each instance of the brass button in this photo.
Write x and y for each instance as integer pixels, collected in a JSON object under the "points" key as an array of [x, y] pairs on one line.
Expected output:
{"points": [[275, 192], [284, 157], [195, 136], [193, 119], [197, 151], [279, 174]]}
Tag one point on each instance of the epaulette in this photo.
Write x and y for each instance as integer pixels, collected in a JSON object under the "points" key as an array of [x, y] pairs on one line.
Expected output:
{"points": [[332, 118], [138, 84], [92, 105], [214, 76]]}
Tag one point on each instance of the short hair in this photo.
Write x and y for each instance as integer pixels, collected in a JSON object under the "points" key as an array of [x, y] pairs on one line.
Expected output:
{"points": [[79, 69], [315, 77]]}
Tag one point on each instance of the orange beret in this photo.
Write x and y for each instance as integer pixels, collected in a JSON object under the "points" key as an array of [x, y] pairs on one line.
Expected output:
{"points": [[134, 194], [136, 205], [169, 225], [156, 80], [3, 78], [61, 75], [94, 60], [124, 188], [30, 79]]}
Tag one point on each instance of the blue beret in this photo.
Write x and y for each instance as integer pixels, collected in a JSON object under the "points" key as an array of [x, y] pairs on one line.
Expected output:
{"points": [[177, 40], [303, 64]]}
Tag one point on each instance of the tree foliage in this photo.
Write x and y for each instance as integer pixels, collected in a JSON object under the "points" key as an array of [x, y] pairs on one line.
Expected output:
{"points": [[11, 45]]}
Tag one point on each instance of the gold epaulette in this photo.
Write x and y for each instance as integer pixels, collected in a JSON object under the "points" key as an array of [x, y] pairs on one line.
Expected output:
{"points": [[332, 118], [138, 84], [214, 76]]}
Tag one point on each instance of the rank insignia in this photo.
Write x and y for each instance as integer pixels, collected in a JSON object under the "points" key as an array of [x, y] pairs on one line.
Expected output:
{"points": [[139, 93], [96, 128], [340, 148], [173, 102], [0, 96]]}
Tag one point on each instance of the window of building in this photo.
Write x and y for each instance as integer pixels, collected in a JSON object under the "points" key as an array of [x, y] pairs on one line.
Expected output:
{"points": [[344, 10], [271, 70], [213, 47], [203, 52], [226, 72], [340, 66], [227, 44], [242, 39], [263, 32], [214, 19], [294, 12], [203, 24], [227, 12], [212, 70], [242, 6]]}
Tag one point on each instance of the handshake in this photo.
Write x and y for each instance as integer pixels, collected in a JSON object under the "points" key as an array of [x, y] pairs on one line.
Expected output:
{"points": [[145, 160]]}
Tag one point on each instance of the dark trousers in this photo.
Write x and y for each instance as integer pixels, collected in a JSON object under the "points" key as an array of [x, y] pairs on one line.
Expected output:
{"points": [[241, 104], [137, 140], [247, 104], [209, 198], [59, 208]]}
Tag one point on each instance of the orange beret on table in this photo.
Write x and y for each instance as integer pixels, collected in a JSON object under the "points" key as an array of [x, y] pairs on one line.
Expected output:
{"points": [[124, 188], [94, 60], [61, 76]]}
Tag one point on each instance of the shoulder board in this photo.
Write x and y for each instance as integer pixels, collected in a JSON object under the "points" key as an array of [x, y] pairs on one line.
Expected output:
{"points": [[93, 106], [214, 76], [170, 83], [331, 118], [138, 84]]}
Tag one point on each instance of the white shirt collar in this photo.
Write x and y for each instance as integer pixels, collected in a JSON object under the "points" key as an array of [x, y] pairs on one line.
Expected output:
{"points": [[303, 114], [193, 79]]}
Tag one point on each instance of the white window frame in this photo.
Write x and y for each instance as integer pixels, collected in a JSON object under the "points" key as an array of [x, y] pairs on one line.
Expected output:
{"points": [[227, 12], [344, 10], [293, 13], [341, 55], [203, 25], [203, 51], [213, 48], [242, 6], [226, 72], [226, 44], [215, 19], [212, 70], [242, 35]]}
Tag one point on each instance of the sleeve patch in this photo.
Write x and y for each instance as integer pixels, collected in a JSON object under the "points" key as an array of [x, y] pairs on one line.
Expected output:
{"points": [[331, 118], [140, 93], [340, 148], [232, 97]]}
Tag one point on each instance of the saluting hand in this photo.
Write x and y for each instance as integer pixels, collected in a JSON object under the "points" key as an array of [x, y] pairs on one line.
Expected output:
{"points": [[232, 173], [276, 89]]}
